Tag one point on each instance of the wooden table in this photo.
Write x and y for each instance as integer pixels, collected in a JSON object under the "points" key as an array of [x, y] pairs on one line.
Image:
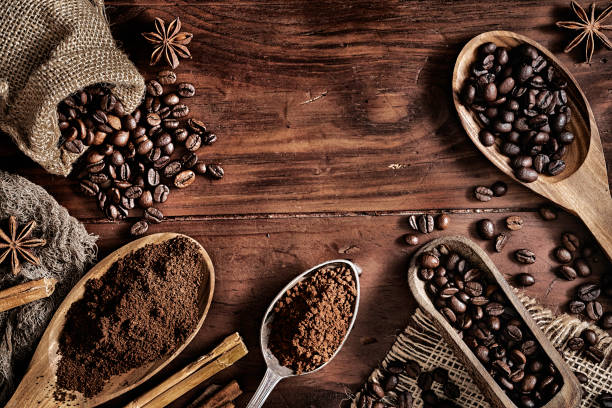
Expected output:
{"points": [[335, 122]]}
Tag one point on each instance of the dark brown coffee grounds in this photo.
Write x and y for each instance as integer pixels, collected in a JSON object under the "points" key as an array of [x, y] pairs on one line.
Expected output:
{"points": [[140, 311], [313, 317]]}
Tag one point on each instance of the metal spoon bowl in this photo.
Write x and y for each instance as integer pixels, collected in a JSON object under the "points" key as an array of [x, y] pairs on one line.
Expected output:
{"points": [[275, 371]]}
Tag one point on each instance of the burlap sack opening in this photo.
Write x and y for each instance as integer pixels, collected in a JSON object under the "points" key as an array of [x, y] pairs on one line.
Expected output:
{"points": [[48, 50]]}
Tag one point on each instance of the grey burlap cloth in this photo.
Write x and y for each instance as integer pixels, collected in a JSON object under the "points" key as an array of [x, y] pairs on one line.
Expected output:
{"points": [[50, 49], [421, 341], [70, 249]]}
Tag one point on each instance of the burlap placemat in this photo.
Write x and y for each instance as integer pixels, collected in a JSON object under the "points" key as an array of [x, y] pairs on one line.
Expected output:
{"points": [[69, 251], [50, 49], [421, 341]]}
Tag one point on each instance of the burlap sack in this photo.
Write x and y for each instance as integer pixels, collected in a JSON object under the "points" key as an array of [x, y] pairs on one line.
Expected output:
{"points": [[69, 252], [421, 341], [48, 50]]}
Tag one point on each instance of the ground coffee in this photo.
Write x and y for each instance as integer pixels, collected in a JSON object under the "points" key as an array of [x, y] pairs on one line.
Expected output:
{"points": [[313, 317], [141, 310]]}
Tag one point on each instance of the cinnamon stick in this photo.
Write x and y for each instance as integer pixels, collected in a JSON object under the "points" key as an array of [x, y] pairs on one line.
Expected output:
{"points": [[210, 390], [27, 292], [224, 396], [224, 355]]}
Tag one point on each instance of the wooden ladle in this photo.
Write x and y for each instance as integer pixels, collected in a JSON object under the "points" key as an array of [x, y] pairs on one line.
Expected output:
{"points": [[39, 383], [582, 188]]}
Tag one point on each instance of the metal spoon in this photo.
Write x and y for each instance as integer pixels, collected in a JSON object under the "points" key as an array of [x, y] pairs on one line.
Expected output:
{"points": [[275, 371]]}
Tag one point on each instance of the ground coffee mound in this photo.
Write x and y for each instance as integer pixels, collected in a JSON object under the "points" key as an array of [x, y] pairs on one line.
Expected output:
{"points": [[141, 310], [313, 317]]}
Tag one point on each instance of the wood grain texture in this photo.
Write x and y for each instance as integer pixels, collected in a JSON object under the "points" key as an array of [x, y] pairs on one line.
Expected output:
{"points": [[569, 393], [331, 114]]}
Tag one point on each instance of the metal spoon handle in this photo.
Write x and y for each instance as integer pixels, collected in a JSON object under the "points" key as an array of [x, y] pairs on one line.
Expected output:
{"points": [[266, 386]]}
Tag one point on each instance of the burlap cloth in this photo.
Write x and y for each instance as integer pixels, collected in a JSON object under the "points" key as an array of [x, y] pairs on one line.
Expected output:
{"points": [[50, 49], [421, 341], [70, 249]]}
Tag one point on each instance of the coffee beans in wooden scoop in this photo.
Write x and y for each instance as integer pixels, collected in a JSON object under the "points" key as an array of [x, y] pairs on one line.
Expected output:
{"points": [[519, 98], [135, 158], [490, 326]]}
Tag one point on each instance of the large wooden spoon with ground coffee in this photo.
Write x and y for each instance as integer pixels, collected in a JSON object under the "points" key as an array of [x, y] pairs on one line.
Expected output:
{"points": [[307, 323], [127, 318]]}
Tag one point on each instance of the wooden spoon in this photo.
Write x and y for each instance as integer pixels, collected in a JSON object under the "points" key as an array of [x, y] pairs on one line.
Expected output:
{"points": [[568, 396], [582, 188], [39, 383]]}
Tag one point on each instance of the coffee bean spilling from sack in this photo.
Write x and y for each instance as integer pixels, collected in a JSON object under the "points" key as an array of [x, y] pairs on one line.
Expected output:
{"points": [[490, 326], [520, 99], [133, 158]]}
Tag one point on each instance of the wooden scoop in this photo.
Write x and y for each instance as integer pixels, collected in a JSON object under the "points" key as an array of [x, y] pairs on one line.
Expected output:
{"points": [[39, 383], [569, 394], [582, 188]]}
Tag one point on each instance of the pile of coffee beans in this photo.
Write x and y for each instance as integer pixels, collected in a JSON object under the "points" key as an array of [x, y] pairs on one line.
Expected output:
{"points": [[484, 194], [587, 343], [135, 159], [382, 394], [520, 99], [490, 326]]}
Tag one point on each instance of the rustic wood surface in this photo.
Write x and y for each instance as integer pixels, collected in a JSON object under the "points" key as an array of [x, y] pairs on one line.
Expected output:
{"points": [[335, 120]]}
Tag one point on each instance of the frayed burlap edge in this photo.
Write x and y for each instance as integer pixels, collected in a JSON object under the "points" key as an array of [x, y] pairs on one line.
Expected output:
{"points": [[421, 341]]}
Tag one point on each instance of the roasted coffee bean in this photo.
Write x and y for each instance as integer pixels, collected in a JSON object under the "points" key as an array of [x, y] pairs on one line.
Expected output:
{"points": [[443, 221], [395, 367], [200, 168], [449, 314], [171, 99], [606, 321], [526, 174], [168, 149], [154, 88], [153, 215], [576, 306], [153, 119], [161, 162], [127, 203], [89, 188], [146, 199], [425, 223], [193, 142], [390, 383], [428, 260], [582, 268], [563, 255], [196, 126], [139, 228], [411, 239], [486, 229], [588, 292], [513, 333], [582, 378], [160, 194], [575, 343], [74, 146], [556, 167], [412, 368], [482, 193], [486, 138], [570, 241], [377, 390], [172, 169], [215, 171], [144, 147], [594, 310], [166, 77], [525, 279], [440, 375], [521, 161], [514, 223], [494, 309], [186, 90], [180, 135], [180, 111], [184, 179], [152, 177], [170, 123], [590, 337], [499, 188], [500, 241], [594, 354], [540, 163], [525, 256], [425, 381]]}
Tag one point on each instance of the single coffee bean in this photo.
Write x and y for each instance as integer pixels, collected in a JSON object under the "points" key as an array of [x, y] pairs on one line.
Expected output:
{"points": [[494, 309], [576, 306], [139, 228], [146, 199], [166, 77], [556, 167], [575, 343], [196, 126], [186, 90], [570, 241], [606, 321], [499, 188], [180, 111], [89, 188], [170, 99], [449, 314], [391, 382], [581, 377], [525, 279], [590, 337], [513, 333], [567, 272], [395, 367], [215, 171], [428, 260], [443, 221], [180, 135], [526, 174], [486, 138], [482, 193], [588, 292], [153, 177], [594, 310], [153, 215], [525, 256], [501, 240], [193, 142], [425, 381], [411, 239], [486, 229], [594, 354], [200, 168], [412, 368], [172, 169], [425, 223], [529, 347], [514, 223], [582, 268], [184, 179], [160, 194], [547, 213], [154, 88]]}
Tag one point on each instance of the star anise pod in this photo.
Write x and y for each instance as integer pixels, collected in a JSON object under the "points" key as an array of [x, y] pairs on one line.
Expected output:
{"points": [[16, 244], [169, 42], [590, 27]]}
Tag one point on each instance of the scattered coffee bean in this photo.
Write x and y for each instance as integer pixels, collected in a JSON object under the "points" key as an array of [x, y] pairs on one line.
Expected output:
{"points": [[525, 256], [576, 306], [482, 193], [184, 179], [486, 229], [139, 228], [525, 279], [563, 255], [594, 310], [428, 260], [425, 381], [590, 337], [567, 272], [582, 268], [582, 378], [588, 292], [499, 188], [412, 368], [411, 239], [575, 343], [215, 171], [594, 354], [514, 223], [548, 213], [501, 240], [570, 241], [443, 221]]}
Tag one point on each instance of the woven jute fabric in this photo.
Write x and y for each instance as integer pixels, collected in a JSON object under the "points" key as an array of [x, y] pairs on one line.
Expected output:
{"points": [[50, 49], [421, 341], [69, 252]]}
